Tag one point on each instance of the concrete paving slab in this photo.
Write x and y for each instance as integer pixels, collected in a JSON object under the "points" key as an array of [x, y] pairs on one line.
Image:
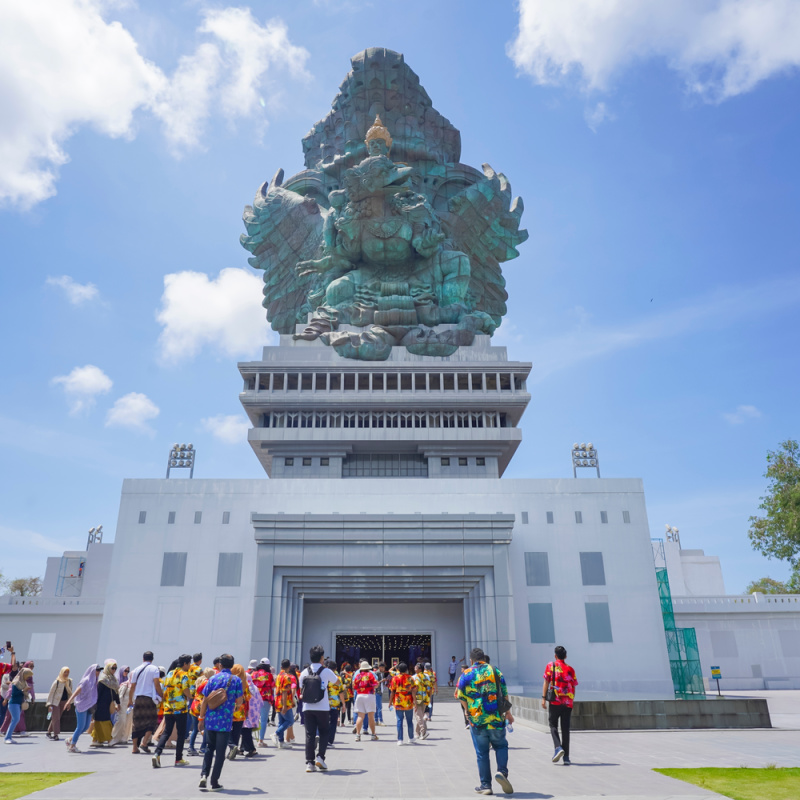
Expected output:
{"points": [[606, 764]]}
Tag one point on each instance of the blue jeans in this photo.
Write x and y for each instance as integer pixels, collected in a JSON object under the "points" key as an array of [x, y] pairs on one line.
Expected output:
{"points": [[83, 719], [15, 709], [265, 712], [285, 721], [483, 739], [378, 707], [408, 715]]}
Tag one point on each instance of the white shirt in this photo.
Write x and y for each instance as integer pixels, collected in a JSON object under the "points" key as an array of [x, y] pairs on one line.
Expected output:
{"points": [[143, 678], [326, 676]]}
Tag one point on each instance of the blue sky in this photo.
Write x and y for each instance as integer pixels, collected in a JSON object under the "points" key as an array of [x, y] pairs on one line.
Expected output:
{"points": [[657, 296]]}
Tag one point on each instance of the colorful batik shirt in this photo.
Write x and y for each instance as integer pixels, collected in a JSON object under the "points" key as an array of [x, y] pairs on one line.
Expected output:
{"points": [[285, 683], [347, 685], [478, 687], [364, 683], [402, 686], [194, 672], [265, 683], [240, 712], [424, 688], [221, 718], [564, 682], [197, 700], [334, 688], [175, 686]]}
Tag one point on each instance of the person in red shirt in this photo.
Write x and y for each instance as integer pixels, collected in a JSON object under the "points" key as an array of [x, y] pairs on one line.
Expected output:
{"points": [[561, 676], [364, 685], [265, 683]]}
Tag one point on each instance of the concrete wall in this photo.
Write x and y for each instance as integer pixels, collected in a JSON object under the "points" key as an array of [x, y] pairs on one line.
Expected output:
{"points": [[445, 621], [754, 639]]}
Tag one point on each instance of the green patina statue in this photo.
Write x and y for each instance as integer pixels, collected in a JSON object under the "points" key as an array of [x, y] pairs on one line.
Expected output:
{"points": [[370, 253]]}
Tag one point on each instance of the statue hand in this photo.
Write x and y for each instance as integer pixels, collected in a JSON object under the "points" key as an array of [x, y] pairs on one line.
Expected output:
{"points": [[321, 265]]}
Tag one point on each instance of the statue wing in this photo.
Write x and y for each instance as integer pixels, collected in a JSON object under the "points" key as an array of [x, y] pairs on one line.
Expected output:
{"points": [[483, 222], [283, 228]]}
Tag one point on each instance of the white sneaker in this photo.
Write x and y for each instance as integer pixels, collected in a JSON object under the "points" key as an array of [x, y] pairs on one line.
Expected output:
{"points": [[310, 768], [358, 737], [400, 742], [274, 738], [321, 763]]}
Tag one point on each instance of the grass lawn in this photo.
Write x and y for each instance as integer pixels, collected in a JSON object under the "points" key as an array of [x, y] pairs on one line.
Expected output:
{"points": [[18, 784], [743, 783]]}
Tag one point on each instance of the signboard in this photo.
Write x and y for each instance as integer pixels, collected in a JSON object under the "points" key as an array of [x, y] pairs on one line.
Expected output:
{"points": [[716, 674]]}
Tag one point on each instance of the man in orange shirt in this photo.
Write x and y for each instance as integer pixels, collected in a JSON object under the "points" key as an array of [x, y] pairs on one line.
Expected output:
{"points": [[285, 698], [403, 698]]}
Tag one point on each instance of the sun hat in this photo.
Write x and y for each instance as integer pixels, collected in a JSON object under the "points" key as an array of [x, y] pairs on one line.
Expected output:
{"points": [[364, 665], [253, 664]]}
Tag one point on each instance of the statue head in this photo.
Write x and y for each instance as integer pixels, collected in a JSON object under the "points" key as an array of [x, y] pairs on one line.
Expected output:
{"points": [[378, 140]]}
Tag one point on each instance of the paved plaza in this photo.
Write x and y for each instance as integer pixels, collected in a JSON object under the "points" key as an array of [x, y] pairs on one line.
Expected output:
{"points": [[605, 764]]}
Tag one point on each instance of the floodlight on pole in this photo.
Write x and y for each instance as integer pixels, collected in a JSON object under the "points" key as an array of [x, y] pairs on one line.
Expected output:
{"points": [[584, 455], [673, 535], [181, 456], [95, 536]]}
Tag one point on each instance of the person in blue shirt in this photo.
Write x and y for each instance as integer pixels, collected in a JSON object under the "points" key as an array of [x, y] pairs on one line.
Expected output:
{"points": [[16, 697], [219, 721]]}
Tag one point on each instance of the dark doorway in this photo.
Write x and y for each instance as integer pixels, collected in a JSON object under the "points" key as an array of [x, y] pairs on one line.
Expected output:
{"points": [[407, 647]]}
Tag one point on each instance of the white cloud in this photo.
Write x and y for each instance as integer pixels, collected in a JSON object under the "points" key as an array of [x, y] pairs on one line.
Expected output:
{"points": [[596, 116], [225, 313], [721, 48], [82, 386], [231, 428], [64, 67], [133, 410], [720, 309], [742, 414], [77, 293]]}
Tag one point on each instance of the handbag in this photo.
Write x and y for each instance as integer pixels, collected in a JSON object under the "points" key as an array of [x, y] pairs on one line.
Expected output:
{"points": [[219, 696], [551, 695], [503, 703], [25, 705]]}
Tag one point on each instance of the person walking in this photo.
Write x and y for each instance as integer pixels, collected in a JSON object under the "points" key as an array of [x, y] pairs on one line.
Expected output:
{"points": [[313, 688], [422, 699], [56, 700], [194, 672], [560, 677], [121, 731], [364, 685], [402, 699], [253, 719], [177, 696], [240, 732], [144, 698], [380, 676], [107, 704], [17, 700], [194, 711], [21, 728], [335, 699], [483, 694], [85, 698], [218, 719], [347, 685], [265, 683], [285, 695], [434, 687]]}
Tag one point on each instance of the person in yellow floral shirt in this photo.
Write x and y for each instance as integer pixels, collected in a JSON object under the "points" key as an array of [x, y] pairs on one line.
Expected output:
{"points": [[336, 696], [347, 688], [424, 685], [195, 671], [404, 691], [177, 696], [239, 716]]}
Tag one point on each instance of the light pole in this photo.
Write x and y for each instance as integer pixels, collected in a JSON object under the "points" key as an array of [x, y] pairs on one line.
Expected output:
{"points": [[181, 456], [673, 535], [95, 536], [584, 455]]}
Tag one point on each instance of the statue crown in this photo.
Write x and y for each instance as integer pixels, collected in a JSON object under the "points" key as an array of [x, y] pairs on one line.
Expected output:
{"points": [[379, 131]]}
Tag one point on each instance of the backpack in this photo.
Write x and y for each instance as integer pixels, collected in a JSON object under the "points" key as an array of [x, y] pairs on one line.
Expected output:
{"points": [[313, 691], [219, 696]]}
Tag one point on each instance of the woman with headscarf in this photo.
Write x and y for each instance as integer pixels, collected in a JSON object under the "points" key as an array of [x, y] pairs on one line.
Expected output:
{"points": [[56, 700], [107, 703], [253, 720], [17, 700], [21, 726], [85, 698], [124, 721]]}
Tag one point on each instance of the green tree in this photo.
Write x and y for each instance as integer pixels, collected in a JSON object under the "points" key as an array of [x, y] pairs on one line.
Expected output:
{"points": [[767, 586], [776, 534], [25, 587]]}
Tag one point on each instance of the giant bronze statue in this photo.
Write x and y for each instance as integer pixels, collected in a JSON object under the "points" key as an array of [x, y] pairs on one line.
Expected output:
{"points": [[384, 240]]}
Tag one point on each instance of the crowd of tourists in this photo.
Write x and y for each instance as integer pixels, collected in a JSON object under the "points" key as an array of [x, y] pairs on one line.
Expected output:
{"points": [[220, 712]]}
